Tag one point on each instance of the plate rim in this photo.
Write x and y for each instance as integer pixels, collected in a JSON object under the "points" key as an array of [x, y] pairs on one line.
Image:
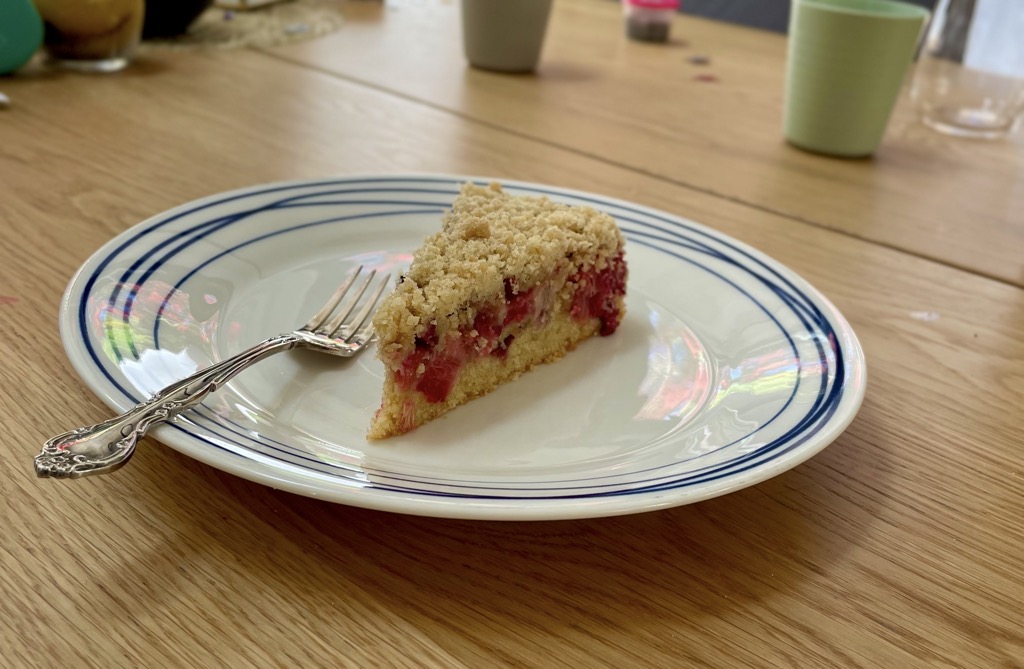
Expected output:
{"points": [[178, 437]]}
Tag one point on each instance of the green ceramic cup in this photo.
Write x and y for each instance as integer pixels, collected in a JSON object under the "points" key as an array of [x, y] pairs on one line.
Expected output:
{"points": [[846, 65]]}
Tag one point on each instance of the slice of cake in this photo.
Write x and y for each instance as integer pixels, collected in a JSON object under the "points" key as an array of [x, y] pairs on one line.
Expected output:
{"points": [[509, 283]]}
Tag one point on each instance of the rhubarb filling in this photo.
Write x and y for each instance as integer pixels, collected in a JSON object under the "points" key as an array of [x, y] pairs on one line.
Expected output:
{"points": [[433, 367]]}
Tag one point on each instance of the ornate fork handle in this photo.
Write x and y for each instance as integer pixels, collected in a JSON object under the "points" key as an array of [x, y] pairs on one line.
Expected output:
{"points": [[106, 446]]}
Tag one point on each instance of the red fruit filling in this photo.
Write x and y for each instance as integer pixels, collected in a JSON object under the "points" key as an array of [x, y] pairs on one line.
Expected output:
{"points": [[596, 294], [488, 328], [595, 297], [518, 306], [440, 374]]}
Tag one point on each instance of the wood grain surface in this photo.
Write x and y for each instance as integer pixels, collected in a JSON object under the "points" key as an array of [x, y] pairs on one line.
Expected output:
{"points": [[645, 107], [897, 546]]}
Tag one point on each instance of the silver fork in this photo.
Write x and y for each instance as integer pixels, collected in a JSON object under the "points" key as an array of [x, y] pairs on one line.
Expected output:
{"points": [[102, 448]]}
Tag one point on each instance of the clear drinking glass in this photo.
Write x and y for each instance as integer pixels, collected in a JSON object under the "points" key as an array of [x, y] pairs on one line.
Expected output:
{"points": [[92, 35], [969, 80]]}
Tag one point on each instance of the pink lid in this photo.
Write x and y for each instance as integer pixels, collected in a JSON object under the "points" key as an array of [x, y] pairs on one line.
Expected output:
{"points": [[654, 4]]}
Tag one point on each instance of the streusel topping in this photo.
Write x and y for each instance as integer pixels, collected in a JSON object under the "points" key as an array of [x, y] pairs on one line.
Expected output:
{"points": [[487, 236]]}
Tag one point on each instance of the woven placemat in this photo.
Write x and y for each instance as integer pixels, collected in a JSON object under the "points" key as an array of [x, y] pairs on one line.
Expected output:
{"points": [[276, 24]]}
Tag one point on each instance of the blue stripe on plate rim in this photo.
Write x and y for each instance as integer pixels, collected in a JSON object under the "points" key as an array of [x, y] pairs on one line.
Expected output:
{"points": [[670, 230]]}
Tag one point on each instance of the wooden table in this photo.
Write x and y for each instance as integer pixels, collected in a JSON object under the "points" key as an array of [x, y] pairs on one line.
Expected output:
{"points": [[898, 546], [647, 108]]}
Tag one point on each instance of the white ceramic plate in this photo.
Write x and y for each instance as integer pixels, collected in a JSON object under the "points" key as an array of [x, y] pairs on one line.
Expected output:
{"points": [[727, 370]]}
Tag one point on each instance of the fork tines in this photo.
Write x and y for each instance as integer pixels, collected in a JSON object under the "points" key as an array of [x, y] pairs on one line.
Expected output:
{"points": [[343, 325]]}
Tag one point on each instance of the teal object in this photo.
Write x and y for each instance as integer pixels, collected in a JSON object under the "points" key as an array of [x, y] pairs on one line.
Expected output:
{"points": [[21, 33]]}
